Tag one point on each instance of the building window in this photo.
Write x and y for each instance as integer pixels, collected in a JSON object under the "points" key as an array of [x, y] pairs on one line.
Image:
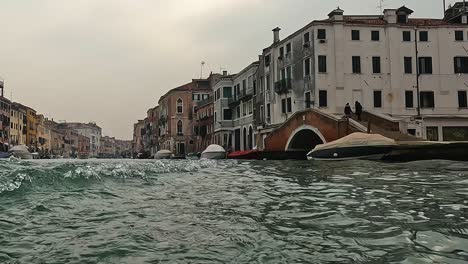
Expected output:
{"points": [[462, 99], [227, 92], [180, 106], [281, 52], [406, 36], [283, 106], [459, 35], [356, 64], [460, 64], [355, 35], [267, 60], [408, 61], [432, 133], [376, 65], [377, 99], [289, 72], [262, 114], [254, 83], [308, 103], [267, 80], [179, 127], [323, 98], [244, 85], [288, 48], [215, 117], [427, 99], [423, 36], [307, 67], [306, 37], [238, 111], [375, 35], [455, 133], [409, 99], [425, 65], [227, 114], [322, 64], [289, 104], [402, 19], [268, 114], [322, 34]]}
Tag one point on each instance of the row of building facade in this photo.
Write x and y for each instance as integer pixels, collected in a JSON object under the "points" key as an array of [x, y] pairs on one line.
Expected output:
{"points": [[22, 125], [410, 70]]}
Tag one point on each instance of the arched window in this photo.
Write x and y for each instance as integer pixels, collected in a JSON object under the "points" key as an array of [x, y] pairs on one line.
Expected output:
{"points": [[179, 127], [180, 104]]}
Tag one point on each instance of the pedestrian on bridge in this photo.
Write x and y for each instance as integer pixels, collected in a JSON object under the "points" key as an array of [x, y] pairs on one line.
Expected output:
{"points": [[347, 111], [358, 110]]}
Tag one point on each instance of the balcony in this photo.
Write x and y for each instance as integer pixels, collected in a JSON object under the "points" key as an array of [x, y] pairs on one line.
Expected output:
{"points": [[243, 96], [163, 119], [283, 86]]}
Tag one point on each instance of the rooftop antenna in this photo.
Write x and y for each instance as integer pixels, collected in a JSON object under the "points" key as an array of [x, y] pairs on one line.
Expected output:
{"points": [[202, 64], [381, 5]]}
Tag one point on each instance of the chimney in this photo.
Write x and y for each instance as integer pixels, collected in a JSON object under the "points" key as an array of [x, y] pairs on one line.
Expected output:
{"points": [[225, 73], [276, 36], [336, 14], [390, 15]]}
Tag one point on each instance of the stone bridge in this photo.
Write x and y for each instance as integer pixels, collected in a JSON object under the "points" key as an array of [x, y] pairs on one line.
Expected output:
{"points": [[306, 129]]}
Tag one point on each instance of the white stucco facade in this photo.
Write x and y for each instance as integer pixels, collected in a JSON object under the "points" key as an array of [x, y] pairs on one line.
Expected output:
{"points": [[371, 60]]}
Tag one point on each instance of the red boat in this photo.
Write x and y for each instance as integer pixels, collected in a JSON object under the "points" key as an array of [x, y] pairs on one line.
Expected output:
{"points": [[246, 155]]}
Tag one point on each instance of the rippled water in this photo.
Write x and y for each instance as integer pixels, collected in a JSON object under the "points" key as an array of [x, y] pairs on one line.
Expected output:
{"points": [[126, 211]]}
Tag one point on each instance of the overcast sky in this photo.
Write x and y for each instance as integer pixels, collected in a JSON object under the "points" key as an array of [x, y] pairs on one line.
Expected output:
{"points": [[108, 61]]}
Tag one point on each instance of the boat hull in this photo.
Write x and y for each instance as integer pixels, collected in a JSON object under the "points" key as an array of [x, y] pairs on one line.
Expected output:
{"points": [[350, 153], [5, 155], [213, 155]]}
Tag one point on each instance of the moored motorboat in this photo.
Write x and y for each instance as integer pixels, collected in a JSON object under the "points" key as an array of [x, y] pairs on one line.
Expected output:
{"points": [[21, 152], [163, 154], [5, 155], [354, 146], [246, 155], [213, 152]]}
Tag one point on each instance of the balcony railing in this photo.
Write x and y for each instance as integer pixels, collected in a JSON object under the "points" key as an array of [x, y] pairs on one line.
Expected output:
{"points": [[283, 86], [162, 119], [243, 95]]}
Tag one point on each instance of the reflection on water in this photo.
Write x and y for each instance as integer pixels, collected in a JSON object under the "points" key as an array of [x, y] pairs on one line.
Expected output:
{"points": [[230, 211]]}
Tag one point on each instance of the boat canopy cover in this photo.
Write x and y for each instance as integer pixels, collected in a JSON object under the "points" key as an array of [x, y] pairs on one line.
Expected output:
{"points": [[358, 140], [214, 148], [19, 148]]}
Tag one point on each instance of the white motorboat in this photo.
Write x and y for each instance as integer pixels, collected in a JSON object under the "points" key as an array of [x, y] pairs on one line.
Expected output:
{"points": [[214, 152], [21, 152], [163, 154], [354, 146]]}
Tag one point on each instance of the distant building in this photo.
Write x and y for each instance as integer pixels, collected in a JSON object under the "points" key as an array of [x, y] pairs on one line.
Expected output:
{"points": [[233, 105], [108, 147], [380, 60], [204, 124], [5, 113], [91, 131], [151, 137], [123, 148], [31, 135], [43, 135], [138, 133], [176, 116], [18, 122]]}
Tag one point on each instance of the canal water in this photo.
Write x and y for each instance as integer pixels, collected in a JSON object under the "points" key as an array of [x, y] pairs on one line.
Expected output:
{"points": [[126, 211]]}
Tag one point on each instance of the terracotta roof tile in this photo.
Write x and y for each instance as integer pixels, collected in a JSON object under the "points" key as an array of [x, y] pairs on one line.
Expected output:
{"points": [[422, 22]]}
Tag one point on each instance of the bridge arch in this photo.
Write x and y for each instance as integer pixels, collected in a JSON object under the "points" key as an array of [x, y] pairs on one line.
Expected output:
{"points": [[304, 138]]}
